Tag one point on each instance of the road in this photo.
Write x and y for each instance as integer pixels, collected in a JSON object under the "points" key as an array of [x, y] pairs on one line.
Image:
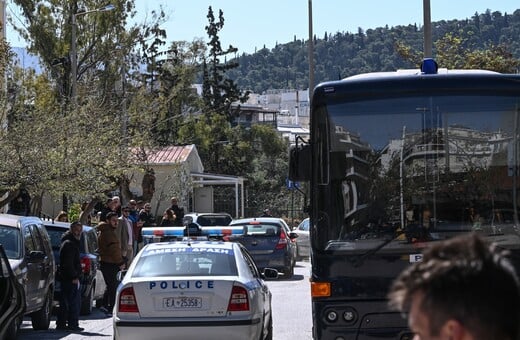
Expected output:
{"points": [[291, 314]]}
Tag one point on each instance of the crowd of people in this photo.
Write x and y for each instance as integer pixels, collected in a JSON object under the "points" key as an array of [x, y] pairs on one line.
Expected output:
{"points": [[119, 240]]}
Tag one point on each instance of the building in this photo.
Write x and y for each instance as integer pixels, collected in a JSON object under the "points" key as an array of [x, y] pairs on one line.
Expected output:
{"points": [[178, 171]]}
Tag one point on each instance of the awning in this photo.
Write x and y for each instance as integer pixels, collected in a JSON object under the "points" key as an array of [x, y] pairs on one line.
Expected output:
{"points": [[205, 179]]}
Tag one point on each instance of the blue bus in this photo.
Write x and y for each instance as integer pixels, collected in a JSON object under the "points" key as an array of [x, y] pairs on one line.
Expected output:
{"points": [[395, 162]]}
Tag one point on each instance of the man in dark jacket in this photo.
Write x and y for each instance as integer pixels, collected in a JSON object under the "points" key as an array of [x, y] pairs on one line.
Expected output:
{"points": [[178, 211], [70, 275]]}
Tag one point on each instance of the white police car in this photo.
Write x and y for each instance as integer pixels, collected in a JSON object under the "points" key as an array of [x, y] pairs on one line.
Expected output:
{"points": [[193, 290]]}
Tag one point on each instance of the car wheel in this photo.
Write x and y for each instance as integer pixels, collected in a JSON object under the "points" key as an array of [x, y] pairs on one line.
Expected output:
{"points": [[41, 319], [86, 302]]}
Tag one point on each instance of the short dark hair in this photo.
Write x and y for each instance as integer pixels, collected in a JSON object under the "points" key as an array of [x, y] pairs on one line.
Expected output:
{"points": [[75, 223], [464, 279], [110, 215]]}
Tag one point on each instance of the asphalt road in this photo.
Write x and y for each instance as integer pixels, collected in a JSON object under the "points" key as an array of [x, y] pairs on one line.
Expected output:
{"points": [[291, 314]]}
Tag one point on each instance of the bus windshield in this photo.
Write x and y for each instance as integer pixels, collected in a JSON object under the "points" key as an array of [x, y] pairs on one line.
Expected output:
{"points": [[417, 167]]}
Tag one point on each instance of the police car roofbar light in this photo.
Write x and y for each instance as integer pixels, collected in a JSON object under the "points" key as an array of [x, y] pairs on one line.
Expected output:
{"points": [[429, 66]]}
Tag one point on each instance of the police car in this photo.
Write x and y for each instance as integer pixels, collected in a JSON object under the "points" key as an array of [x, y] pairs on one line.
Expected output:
{"points": [[193, 290]]}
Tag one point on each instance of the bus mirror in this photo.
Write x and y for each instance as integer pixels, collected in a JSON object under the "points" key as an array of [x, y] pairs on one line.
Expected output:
{"points": [[299, 163]]}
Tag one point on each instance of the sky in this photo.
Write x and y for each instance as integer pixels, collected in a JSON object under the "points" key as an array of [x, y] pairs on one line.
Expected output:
{"points": [[253, 24]]}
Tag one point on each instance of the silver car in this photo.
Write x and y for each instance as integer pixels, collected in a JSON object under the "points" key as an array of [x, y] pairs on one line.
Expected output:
{"points": [[303, 243], [193, 290]]}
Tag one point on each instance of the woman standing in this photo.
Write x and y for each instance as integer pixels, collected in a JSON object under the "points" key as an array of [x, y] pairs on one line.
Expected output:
{"points": [[168, 218]]}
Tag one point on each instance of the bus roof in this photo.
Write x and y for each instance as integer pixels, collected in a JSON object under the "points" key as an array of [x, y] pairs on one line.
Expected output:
{"points": [[411, 72]]}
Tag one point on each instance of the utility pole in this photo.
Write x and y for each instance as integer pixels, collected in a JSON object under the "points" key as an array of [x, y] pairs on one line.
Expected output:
{"points": [[427, 27], [311, 56]]}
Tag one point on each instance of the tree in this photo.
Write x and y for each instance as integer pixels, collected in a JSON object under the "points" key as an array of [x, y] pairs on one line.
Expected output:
{"points": [[452, 53], [175, 96], [218, 91], [87, 155]]}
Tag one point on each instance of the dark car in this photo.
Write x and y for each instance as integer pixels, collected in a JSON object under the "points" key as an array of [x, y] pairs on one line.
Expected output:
{"points": [[28, 249], [12, 299], [92, 282], [270, 241]]}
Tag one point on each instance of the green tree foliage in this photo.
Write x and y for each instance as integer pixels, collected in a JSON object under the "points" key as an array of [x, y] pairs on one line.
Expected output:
{"points": [[218, 91], [175, 95], [84, 148], [452, 54], [343, 54], [258, 154]]}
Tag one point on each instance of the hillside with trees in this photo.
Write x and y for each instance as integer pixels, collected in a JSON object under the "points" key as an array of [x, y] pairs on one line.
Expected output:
{"points": [[341, 54], [69, 129]]}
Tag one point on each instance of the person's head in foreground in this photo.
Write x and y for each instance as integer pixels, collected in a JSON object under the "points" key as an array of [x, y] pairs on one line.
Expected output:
{"points": [[464, 289]]}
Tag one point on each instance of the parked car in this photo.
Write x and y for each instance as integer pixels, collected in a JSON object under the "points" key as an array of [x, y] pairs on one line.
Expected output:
{"points": [[28, 249], [214, 226], [208, 219], [303, 243], [193, 290], [270, 242], [12, 299], [92, 283]]}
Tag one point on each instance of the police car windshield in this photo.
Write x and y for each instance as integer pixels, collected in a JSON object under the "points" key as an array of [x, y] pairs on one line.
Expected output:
{"points": [[186, 261]]}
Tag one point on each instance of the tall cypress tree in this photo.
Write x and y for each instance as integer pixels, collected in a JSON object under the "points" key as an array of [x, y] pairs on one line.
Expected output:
{"points": [[219, 91]]}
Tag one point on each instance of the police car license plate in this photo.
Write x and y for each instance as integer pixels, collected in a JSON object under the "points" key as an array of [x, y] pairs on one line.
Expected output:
{"points": [[182, 302]]}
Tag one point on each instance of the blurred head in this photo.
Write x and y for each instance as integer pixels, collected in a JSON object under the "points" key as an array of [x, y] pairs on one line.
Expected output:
{"points": [[174, 201], [76, 228], [62, 217], [116, 201], [112, 219], [169, 214], [463, 287]]}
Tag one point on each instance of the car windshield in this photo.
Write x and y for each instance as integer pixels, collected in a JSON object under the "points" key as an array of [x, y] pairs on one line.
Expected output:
{"points": [[187, 261], [262, 229], [304, 225], [10, 239], [434, 165], [213, 220], [55, 235]]}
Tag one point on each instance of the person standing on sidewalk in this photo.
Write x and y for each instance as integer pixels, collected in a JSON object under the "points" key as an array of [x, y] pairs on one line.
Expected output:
{"points": [[111, 259], [177, 211], [125, 234], [70, 274]]}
